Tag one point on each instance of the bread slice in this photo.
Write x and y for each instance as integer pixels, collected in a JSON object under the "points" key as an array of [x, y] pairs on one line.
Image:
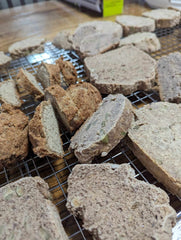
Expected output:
{"points": [[133, 24], [13, 136], [62, 40], [9, 94], [115, 205], [27, 205], [164, 18], [28, 82], [4, 60], [169, 77], [44, 132], [104, 129], [145, 41], [26, 47], [48, 74], [74, 105], [122, 70], [155, 140]]}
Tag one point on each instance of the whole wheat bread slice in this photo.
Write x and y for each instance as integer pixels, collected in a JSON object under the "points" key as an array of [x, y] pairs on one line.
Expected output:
{"points": [[169, 77], [164, 18], [4, 60], [62, 40], [145, 41], [123, 70], [114, 205], [104, 129], [27, 205], [155, 140], [44, 132], [9, 94], [133, 24]]}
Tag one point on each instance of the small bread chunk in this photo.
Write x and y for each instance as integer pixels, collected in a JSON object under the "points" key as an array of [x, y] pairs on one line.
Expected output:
{"points": [[13, 136], [164, 18], [48, 74], [74, 105], [28, 212], [104, 129], [115, 205], [9, 94], [169, 77], [44, 132], [4, 60], [68, 73], [123, 70], [145, 41], [155, 140], [26, 47], [96, 37], [133, 24], [62, 40], [28, 82]]}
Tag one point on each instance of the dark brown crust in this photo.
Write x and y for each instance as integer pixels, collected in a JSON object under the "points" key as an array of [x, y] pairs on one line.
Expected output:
{"points": [[13, 136]]}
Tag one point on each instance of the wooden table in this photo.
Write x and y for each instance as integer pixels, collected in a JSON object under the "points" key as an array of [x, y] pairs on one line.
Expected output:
{"points": [[46, 19]]}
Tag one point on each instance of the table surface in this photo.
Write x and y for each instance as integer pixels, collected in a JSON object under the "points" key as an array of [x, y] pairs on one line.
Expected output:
{"points": [[46, 19]]}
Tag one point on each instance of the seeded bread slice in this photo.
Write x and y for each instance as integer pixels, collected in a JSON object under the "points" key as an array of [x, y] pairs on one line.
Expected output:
{"points": [[28, 82], [122, 70], [13, 136], [44, 132], [133, 24], [27, 205], [164, 18], [62, 40], [145, 41], [9, 94], [104, 129], [115, 205], [169, 77], [74, 105], [155, 140], [4, 60]]}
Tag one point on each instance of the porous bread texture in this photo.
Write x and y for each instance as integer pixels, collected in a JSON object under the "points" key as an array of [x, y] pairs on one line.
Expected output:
{"points": [[4, 60], [123, 70], [169, 77], [114, 205], [26, 81], [104, 129], [145, 41], [63, 40], [164, 18], [13, 136], [154, 138], [44, 132], [27, 205], [133, 24], [9, 94], [74, 105]]}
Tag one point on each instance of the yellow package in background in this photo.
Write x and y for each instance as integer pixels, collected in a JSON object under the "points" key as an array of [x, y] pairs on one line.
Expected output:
{"points": [[112, 7]]}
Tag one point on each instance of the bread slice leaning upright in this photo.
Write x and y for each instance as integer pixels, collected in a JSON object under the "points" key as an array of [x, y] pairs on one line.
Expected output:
{"points": [[44, 132]]}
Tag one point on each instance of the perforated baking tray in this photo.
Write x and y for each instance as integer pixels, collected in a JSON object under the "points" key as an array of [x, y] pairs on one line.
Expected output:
{"points": [[55, 172]]}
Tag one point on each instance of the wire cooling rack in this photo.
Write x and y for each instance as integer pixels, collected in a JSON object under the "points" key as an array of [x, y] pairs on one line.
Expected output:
{"points": [[56, 172]]}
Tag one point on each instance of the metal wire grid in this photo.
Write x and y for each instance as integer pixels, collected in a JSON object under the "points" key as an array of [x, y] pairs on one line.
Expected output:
{"points": [[55, 172]]}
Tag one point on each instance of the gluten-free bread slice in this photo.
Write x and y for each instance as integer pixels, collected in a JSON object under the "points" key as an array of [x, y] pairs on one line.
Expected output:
{"points": [[155, 140], [28, 212], [114, 205], [44, 132]]}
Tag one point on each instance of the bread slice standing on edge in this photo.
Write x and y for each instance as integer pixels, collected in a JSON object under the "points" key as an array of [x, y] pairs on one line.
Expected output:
{"points": [[4, 60], [115, 205], [28, 82], [169, 77], [164, 18], [27, 205], [133, 24], [155, 140], [44, 132], [63, 40], [145, 41], [123, 70], [9, 94], [104, 129]]}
